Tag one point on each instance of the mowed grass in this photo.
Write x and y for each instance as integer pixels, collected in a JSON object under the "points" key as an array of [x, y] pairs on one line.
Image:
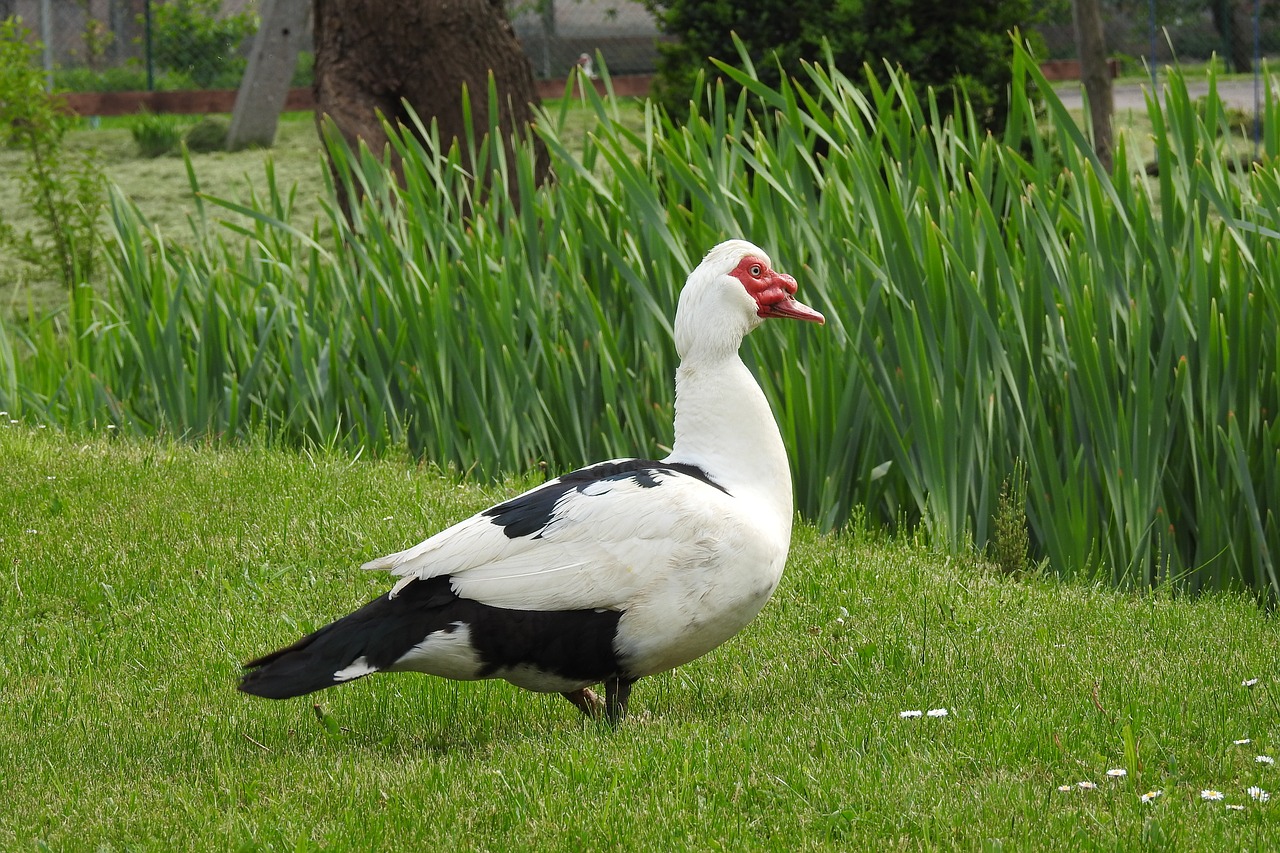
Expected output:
{"points": [[161, 188], [138, 575]]}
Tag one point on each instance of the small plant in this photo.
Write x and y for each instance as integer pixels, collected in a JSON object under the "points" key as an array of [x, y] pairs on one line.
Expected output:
{"points": [[1010, 541], [155, 135], [97, 38], [206, 135], [66, 190], [1238, 121]]}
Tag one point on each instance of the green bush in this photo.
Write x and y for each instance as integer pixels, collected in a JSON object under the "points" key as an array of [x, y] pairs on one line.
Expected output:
{"points": [[207, 135], [123, 78], [190, 38], [118, 79], [304, 71], [1235, 120], [155, 135], [963, 50]]}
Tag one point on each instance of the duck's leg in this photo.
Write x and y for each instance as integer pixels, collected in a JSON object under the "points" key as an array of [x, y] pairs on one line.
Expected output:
{"points": [[586, 701], [616, 693]]}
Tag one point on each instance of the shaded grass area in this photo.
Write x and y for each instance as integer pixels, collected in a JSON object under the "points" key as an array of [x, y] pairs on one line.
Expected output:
{"points": [[138, 575]]}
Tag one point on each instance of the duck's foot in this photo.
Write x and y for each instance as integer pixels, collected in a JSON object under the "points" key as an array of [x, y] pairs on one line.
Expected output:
{"points": [[617, 691], [587, 701]]}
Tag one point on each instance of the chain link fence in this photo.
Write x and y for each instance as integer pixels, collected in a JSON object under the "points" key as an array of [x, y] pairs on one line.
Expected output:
{"points": [[146, 45], [139, 45]]}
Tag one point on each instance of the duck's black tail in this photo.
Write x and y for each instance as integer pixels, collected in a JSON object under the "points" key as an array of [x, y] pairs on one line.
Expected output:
{"points": [[572, 645], [360, 643]]}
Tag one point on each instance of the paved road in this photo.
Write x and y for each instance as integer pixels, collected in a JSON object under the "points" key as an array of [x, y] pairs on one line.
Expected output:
{"points": [[1132, 96]]}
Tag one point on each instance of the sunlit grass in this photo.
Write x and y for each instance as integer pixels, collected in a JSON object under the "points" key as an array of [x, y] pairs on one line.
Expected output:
{"points": [[138, 575]]}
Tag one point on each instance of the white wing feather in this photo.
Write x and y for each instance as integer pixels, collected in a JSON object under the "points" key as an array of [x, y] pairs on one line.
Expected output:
{"points": [[602, 542]]}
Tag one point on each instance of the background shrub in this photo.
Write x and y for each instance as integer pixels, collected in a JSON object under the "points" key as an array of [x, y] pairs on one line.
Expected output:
{"points": [[207, 135], [155, 134], [956, 47], [304, 71], [190, 38]]}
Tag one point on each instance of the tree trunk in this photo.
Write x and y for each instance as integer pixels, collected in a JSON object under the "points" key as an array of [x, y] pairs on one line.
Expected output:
{"points": [[370, 55], [265, 85], [1095, 74], [1234, 23]]}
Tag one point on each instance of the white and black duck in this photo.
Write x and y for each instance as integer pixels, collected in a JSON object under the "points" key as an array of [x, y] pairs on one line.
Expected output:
{"points": [[620, 570]]}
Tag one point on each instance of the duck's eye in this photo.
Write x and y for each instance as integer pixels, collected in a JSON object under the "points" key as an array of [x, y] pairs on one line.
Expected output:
{"points": [[755, 270]]}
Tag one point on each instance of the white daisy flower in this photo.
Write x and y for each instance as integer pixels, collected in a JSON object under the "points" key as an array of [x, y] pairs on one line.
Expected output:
{"points": [[1249, 682], [1210, 794], [1086, 786], [1256, 793], [1151, 796], [1264, 759], [938, 712], [1117, 773], [1234, 807], [1065, 788], [910, 715], [1242, 741]]}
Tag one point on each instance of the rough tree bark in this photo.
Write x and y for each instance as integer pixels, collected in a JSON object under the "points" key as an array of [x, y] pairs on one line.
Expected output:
{"points": [[372, 54], [1095, 74]]}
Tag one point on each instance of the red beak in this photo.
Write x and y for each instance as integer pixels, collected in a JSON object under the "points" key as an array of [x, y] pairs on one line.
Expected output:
{"points": [[776, 300], [789, 307]]}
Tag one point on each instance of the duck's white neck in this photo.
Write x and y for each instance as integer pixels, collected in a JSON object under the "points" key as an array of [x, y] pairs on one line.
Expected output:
{"points": [[723, 425]]}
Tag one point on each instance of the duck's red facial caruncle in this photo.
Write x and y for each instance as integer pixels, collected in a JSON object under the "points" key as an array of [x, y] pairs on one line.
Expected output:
{"points": [[773, 291]]}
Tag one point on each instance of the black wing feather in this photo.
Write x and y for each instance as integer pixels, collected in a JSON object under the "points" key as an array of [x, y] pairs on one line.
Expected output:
{"points": [[530, 513]]}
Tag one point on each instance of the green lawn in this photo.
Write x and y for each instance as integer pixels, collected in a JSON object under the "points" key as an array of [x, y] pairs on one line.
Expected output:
{"points": [[138, 575]]}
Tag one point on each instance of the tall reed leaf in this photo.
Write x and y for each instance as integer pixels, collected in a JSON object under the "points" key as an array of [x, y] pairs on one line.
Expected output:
{"points": [[994, 304]]}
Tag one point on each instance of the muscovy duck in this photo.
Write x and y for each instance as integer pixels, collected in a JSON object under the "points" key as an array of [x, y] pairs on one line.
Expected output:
{"points": [[616, 571]]}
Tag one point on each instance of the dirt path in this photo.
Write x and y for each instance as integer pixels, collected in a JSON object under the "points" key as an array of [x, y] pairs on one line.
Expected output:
{"points": [[1132, 96]]}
